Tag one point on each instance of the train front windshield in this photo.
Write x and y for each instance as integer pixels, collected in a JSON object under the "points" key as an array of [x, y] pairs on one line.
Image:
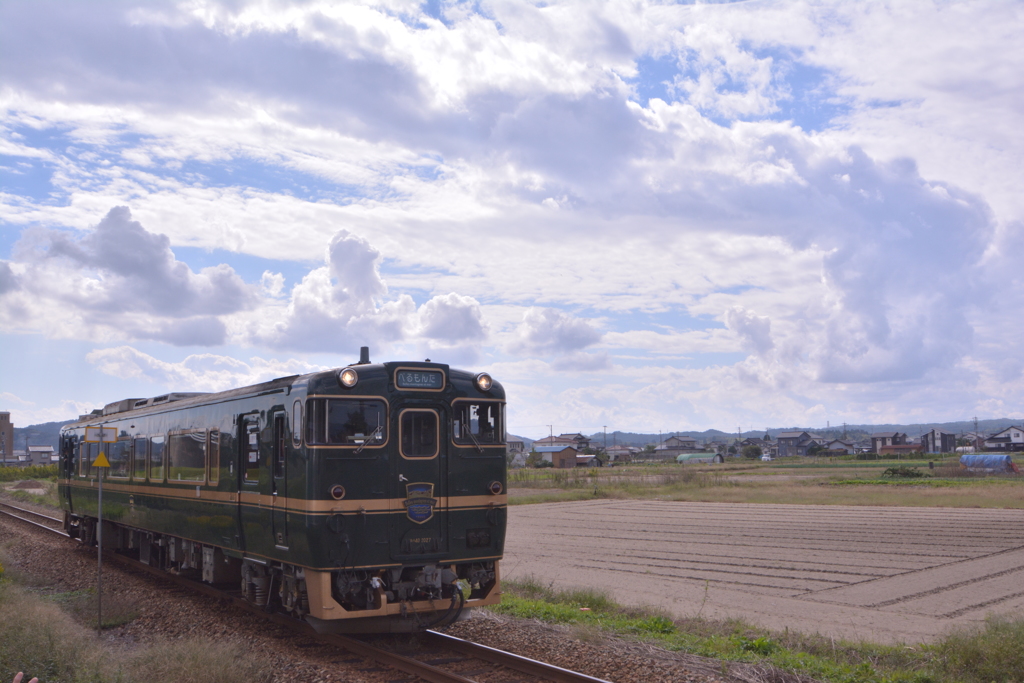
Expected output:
{"points": [[346, 422]]}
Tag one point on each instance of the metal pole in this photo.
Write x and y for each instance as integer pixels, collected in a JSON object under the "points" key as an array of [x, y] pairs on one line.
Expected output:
{"points": [[99, 555]]}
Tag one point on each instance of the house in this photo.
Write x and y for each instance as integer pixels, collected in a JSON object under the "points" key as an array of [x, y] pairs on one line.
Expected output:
{"points": [[795, 443], [840, 445], [42, 455], [765, 446], [880, 439], [577, 441], [673, 446], [620, 454], [899, 449], [687, 443], [938, 441], [514, 446], [562, 457], [584, 460], [1010, 439]]}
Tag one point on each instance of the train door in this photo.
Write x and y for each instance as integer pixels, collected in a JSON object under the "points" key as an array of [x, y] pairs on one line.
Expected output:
{"points": [[67, 467], [251, 515], [419, 519], [279, 482]]}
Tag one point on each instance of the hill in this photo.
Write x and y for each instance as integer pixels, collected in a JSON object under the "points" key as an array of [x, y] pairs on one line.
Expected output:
{"points": [[852, 431], [45, 434]]}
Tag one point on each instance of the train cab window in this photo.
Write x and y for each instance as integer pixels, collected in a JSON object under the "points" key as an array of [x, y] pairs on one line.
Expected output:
{"points": [[186, 456], [156, 458], [418, 430], [140, 455], [477, 423], [214, 475], [118, 455], [346, 422]]}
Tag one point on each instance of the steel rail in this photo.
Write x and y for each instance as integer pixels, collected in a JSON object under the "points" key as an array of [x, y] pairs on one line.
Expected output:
{"points": [[59, 532], [533, 667], [427, 672]]}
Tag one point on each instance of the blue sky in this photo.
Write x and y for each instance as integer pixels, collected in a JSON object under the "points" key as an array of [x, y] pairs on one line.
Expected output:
{"points": [[651, 216]]}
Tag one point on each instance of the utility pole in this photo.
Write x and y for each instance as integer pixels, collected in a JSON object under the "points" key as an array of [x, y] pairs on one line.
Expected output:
{"points": [[606, 438], [551, 435], [977, 446]]}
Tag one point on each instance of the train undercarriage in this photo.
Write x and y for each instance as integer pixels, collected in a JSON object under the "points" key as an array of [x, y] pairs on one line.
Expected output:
{"points": [[394, 599]]}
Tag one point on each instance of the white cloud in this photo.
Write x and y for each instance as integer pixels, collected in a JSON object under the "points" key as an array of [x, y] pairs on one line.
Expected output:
{"points": [[452, 318], [546, 331], [117, 281], [755, 330], [198, 372]]}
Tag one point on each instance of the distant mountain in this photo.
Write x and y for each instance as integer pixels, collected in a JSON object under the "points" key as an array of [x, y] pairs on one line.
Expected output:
{"points": [[45, 434], [852, 431]]}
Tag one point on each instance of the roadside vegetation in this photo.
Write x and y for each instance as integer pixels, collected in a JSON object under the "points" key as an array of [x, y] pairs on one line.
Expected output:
{"points": [[33, 472], [994, 652], [38, 637], [902, 483]]}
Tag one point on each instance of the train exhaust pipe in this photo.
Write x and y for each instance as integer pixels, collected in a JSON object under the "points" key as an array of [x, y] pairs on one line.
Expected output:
{"points": [[364, 355]]}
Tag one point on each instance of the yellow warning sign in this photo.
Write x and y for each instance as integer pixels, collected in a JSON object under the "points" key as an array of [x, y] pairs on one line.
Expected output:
{"points": [[101, 461]]}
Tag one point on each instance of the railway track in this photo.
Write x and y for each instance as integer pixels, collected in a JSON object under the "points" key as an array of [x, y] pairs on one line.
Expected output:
{"points": [[425, 666]]}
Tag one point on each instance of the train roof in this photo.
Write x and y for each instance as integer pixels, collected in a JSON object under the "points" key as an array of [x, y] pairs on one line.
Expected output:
{"points": [[182, 399]]}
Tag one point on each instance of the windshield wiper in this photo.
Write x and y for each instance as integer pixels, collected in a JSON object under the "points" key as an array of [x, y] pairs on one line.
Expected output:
{"points": [[373, 435], [479, 448]]}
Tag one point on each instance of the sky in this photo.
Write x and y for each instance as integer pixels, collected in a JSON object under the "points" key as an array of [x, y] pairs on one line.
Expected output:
{"points": [[650, 216]]}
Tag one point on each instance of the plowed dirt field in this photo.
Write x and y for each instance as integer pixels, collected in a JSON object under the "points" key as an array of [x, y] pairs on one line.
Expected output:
{"points": [[879, 573]]}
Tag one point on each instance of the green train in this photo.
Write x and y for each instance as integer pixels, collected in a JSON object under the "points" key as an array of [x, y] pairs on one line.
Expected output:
{"points": [[365, 499]]}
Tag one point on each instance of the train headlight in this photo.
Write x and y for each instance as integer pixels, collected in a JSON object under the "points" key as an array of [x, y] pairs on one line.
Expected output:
{"points": [[348, 378], [484, 382], [337, 492], [495, 487]]}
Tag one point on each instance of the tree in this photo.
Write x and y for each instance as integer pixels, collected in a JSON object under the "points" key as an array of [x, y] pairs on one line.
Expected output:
{"points": [[815, 449], [649, 448], [752, 451], [533, 459], [602, 456], [732, 449]]}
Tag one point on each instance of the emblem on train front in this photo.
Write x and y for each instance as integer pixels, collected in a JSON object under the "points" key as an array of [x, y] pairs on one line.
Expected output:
{"points": [[419, 501]]}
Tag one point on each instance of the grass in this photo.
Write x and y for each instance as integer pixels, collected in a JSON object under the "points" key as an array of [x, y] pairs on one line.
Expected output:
{"points": [[803, 481], [37, 637], [48, 499], [994, 652]]}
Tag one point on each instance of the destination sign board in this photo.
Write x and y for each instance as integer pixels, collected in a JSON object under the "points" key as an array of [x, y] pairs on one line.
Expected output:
{"points": [[419, 379]]}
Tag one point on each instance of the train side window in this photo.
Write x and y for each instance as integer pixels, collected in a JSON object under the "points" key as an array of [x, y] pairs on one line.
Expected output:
{"points": [[279, 446], [252, 452], [118, 455], [477, 422], [297, 424], [140, 456], [156, 458], [418, 430], [214, 474], [186, 456]]}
